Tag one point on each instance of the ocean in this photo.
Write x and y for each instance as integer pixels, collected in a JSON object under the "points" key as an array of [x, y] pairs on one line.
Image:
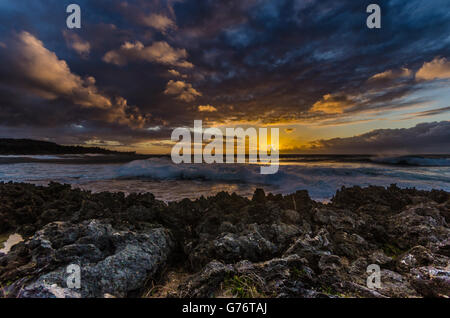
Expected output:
{"points": [[321, 175]]}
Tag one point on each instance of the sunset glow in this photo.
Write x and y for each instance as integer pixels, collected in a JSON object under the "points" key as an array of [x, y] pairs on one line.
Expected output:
{"points": [[127, 78]]}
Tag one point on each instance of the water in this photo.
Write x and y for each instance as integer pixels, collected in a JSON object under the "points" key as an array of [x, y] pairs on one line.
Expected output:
{"points": [[320, 175]]}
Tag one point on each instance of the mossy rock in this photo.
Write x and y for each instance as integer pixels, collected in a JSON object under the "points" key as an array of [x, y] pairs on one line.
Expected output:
{"points": [[392, 250], [244, 286]]}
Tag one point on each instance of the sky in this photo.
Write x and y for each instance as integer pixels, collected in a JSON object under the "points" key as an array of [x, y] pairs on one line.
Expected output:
{"points": [[136, 70]]}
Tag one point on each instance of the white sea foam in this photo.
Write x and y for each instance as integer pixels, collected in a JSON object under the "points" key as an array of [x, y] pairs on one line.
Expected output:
{"points": [[169, 181]]}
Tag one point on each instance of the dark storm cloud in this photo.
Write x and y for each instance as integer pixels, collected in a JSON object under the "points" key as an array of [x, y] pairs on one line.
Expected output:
{"points": [[423, 138], [270, 58], [252, 60]]}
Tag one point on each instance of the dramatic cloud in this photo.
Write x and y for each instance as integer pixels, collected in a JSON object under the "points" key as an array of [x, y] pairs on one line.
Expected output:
{"points": [[177, 74], [259, 62], [207, 108], [158, 21], [439, 68], [182, 90], [42, 73], [331, 104], [50, 77], [158, 52], [75, 42], [174, 73], [392, 74], [423, 138]]}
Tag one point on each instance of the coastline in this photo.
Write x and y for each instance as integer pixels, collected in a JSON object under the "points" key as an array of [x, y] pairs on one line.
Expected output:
{"points": [[168, 181], [76, 159], [225, 245]]}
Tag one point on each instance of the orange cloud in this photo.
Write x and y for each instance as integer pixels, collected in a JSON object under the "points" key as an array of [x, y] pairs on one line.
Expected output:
{"points": [[158, 52], [207, 108], [183, 91], [158, 22], [392, 74], [50, 77], [175, 73], [436, 69], [76, 43], [45, 75], [332, 104]]}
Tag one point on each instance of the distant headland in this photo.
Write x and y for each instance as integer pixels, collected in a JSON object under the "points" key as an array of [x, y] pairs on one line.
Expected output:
{"points": [[39, 147]]}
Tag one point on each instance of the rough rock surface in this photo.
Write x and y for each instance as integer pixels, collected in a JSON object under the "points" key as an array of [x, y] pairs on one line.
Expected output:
{"points": [[111, 262], [266, 246]]}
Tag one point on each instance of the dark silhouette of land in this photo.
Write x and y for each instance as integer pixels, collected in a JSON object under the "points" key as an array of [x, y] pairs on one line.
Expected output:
{"points": [[38, 147]]}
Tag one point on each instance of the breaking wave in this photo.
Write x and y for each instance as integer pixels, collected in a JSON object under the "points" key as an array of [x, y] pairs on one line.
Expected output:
{"points": [[320, 180], [164, 169], [321, 176]]}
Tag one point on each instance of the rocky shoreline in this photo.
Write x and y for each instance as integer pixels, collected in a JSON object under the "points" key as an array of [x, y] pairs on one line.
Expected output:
{"points": [[225, 245]]}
